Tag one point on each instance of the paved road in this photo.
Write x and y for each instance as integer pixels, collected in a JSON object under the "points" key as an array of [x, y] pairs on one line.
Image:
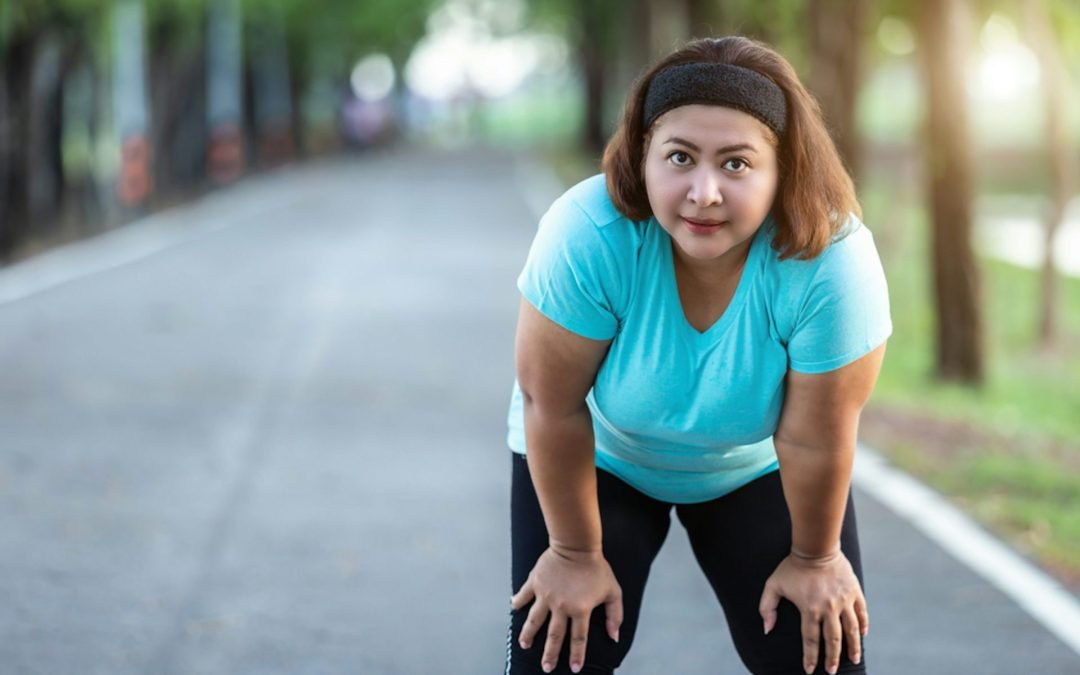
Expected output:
{"points": [[276, 446]]}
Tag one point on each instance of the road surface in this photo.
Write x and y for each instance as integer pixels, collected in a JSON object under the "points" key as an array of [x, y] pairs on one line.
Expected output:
{"points": [[264, 433]]}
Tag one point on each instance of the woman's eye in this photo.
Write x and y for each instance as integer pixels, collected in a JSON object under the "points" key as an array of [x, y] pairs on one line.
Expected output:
{"points": [[679, 158], [735, 164]]}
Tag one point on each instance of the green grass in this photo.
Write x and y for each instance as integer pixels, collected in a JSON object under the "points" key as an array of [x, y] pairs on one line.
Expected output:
{"points": [[1026, 392], [535, 117], [1028, 498], [1017, 467]]}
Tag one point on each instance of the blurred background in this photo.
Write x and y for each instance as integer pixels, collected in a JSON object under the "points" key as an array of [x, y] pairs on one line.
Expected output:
{"points": [[959, 120]]}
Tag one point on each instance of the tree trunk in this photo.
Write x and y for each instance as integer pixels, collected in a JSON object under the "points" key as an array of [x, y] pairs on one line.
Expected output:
{"points": [[633, 52], [1063, 169], [134, 183], [178, 118], [14, 115], [837, 32], [190, 143], [943, 29], [270, 101], [592, 58], [298, 84], [81, 120], [225, 95], [44, 160], [704, 18], [669, 21], [165, 107]]}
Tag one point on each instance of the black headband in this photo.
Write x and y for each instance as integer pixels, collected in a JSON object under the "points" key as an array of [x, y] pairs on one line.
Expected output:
{"points": [[717, 84]]}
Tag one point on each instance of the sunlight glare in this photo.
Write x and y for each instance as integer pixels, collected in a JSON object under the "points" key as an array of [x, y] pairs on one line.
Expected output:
{"points": [[1007, 68]]}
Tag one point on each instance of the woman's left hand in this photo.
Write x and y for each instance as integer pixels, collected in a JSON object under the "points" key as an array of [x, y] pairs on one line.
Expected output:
{"points": [[830, 601]]}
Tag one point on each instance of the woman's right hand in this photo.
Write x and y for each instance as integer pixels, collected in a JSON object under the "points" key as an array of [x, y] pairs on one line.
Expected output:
{"points": [[569, 585]]}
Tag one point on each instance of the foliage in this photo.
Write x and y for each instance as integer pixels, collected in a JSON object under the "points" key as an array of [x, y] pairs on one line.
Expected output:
{"points": [[77, 18], [345, 30], [782, 24]]}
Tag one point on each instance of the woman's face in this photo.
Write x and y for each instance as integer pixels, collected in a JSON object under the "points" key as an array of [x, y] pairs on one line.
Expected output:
{"points": [[711, 175]]}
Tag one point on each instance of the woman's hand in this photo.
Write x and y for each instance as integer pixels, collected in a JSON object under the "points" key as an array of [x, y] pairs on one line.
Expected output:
{"points": [[569, 585], [830, 600]]}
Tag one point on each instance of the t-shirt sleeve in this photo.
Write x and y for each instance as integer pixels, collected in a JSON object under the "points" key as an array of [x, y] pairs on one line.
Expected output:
{"points": [[572, 274], [844, 314]]}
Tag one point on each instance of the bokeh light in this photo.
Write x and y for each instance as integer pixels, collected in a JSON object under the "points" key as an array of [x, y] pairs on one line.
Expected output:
{"points": [[1007, 68], [373, 78], [895, 36]]}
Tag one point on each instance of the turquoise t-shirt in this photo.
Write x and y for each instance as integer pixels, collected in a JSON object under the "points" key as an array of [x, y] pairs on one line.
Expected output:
{"points": [[685, 416]]}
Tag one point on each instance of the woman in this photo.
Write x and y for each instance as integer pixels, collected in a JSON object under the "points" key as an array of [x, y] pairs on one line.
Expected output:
{"points": [[699, 329]]}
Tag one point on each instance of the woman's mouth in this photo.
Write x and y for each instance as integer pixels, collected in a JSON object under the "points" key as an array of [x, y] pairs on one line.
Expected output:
{"points": [[703, 226]]}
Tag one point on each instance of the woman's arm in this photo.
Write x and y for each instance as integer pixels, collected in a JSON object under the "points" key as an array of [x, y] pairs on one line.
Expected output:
{"points": [[555, 370], [815, 443]]}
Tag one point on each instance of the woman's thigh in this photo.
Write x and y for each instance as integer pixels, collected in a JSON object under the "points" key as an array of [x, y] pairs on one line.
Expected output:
{"points": [[634, 528], [738, 540]]}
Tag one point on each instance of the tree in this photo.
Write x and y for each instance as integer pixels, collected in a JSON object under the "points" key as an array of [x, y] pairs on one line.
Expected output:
{"points": [[943, 29], [837, 37], [594, 30], [176, 52], [40, 43], [1059, 153]]}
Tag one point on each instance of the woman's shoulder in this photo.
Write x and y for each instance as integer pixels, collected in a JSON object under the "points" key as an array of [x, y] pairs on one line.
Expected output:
{"points": [[835, 307], [852, 243], [591, 196], [849, 261], [587, 205], [582, 264]]}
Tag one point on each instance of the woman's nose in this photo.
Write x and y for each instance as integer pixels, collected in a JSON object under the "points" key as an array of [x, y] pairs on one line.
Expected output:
{"points": [[705, 189]]}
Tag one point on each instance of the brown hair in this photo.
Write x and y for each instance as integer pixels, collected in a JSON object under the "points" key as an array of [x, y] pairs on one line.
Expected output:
{"points": [[815, 192]]}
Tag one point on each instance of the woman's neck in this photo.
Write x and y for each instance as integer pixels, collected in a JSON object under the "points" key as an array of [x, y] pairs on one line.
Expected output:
{"points": [[715, 272]]}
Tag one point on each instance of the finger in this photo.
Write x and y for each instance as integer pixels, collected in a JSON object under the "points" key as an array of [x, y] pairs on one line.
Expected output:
{"points": [[811, 636], [533, 622], [834, 640], [770, 600], [850, 619], [523, 596], [555, 635], [863, 614], [579, 637], [613, 608]]}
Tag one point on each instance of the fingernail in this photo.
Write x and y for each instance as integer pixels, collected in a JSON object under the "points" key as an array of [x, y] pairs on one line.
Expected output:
{"points": [[831, 670], [857, 659], [524, 644], [548, 667], [809, 668], [575, 667], [616, 636]]}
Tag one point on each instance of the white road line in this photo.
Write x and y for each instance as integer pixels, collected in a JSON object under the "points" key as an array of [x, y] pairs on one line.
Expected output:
{"points": [[1033, 590]]}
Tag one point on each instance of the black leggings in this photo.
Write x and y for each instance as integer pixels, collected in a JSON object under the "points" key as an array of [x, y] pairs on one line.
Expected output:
{"points": [[738, 540]]}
